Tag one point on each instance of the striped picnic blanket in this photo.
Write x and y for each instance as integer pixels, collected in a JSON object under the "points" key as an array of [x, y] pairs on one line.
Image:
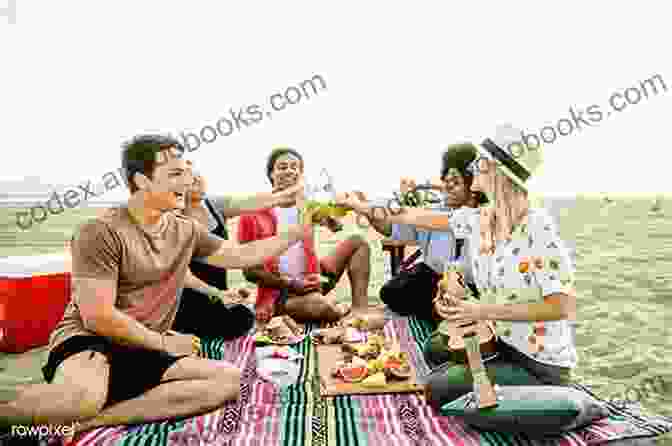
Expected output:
{"points": [[297, 415]]}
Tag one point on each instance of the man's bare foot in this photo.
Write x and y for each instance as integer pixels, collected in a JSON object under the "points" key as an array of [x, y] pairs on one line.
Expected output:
{"points": [[295, 327], [370, 317], [344, 309]]}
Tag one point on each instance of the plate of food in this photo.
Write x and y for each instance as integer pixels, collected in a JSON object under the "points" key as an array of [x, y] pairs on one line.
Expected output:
{"points": [[338, 335], [375, 366], [280, 330]]}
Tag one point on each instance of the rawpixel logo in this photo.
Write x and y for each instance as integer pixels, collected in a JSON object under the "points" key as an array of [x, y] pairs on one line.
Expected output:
{"points": [[9, 12]]}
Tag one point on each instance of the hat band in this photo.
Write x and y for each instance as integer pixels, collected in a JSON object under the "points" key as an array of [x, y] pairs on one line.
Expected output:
{"points": [[504, 158]]}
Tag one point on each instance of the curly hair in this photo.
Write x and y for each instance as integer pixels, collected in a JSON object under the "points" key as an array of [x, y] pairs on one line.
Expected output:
{"points": [[459, 156]]}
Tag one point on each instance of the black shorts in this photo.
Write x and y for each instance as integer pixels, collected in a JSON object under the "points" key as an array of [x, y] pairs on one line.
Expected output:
{"points": [[199, 315], [132, 371], [325, 287]]}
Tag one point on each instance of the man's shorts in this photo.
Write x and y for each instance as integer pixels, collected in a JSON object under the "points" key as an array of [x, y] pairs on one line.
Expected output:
{"points": [[325, 287], [132, 371]]}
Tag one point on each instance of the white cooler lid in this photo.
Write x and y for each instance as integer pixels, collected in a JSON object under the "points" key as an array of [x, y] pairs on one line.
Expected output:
{"points": [[26, 266]]}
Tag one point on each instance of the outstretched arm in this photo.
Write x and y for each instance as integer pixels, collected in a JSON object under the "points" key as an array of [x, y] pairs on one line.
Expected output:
{"points": [[232, 206], [422, 218], [192, 281], [234, 255]]}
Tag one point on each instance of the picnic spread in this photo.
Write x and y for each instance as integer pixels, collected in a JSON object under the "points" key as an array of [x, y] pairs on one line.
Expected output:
{"points": [[297, 414]]}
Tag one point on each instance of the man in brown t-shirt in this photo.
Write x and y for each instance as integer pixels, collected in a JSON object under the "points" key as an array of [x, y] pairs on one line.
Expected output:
{"points": [[113, 359]]}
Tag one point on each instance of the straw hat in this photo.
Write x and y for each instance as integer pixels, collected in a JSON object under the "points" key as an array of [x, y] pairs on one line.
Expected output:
{"points": [[514, 157]]}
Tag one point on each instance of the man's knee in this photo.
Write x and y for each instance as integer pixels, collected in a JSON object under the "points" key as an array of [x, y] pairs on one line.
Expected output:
{"points": [[227, 385], [89, 401], [84, 380], [359, 242]]}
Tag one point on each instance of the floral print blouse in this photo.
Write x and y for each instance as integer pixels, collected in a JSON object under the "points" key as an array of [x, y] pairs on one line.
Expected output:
{"points": [[534, 264]]}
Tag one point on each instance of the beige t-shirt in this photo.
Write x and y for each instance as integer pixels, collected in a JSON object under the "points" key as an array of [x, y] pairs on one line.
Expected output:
{"points": [[149, 268]]}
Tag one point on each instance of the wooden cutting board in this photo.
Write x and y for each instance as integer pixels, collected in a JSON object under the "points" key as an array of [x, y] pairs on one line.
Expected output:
{"points": [[329, 355]]}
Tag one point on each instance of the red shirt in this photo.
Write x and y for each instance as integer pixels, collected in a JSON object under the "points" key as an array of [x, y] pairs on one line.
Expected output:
{"points": [[261, 225]]}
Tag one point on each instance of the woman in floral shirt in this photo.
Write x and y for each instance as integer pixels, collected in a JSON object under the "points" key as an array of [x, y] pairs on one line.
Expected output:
{"points": [[522, 270]]}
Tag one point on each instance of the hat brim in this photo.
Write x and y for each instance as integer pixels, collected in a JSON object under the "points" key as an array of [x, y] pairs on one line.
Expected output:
{"points": [[505, 170]]}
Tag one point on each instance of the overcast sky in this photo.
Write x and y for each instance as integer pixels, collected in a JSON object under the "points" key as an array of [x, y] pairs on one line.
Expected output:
{"points": [[78, 78]]}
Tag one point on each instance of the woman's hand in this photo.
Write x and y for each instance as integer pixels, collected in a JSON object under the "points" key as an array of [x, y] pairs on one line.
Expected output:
{"points": [[459, 311]]}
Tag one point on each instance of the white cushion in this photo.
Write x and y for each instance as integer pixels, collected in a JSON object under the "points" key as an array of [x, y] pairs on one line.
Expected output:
{"points": [[39, 265]]}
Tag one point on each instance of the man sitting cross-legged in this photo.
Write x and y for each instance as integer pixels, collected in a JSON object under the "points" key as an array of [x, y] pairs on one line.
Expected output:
{"points": [[291, 283], [112, 358]]}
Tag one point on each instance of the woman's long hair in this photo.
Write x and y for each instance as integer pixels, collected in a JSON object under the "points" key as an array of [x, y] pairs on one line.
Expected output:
{"points": [[508, 205]]}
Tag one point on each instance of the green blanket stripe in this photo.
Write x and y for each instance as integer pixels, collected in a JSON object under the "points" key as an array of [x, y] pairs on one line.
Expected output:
{"points": [[497, 439], [347, 431], [420, 329], [303, 411], [294, 399]]}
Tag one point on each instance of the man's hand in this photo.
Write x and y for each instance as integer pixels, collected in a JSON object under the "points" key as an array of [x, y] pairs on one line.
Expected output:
{"points": [[311, 282], [230, 297], [351, 200], [406, 185], [178, 344], [198, 188], [301, 287], [288, 197]]}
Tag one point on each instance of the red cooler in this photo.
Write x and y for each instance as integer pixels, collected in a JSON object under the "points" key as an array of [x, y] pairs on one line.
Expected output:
{"points": [[34, 291]]}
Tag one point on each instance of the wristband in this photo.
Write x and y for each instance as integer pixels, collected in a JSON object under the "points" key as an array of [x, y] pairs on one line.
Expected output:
{"points": [[199, 198]]}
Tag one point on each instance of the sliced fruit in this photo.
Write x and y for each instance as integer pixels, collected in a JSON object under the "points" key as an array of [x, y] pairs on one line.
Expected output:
{"points": [[353, 374], [375, 380], [358, 362], [263, 339], [377, 340], [359, 323], [402, 372], [393, 363], [375, 366], [361, 349]]}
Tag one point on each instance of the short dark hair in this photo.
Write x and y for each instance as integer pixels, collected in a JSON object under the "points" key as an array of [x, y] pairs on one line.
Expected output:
{"points": [[277, 153], [459, 156], [138, 155]]}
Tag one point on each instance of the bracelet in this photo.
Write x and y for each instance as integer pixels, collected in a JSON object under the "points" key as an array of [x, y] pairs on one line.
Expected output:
{"points": [[199, 199]]}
